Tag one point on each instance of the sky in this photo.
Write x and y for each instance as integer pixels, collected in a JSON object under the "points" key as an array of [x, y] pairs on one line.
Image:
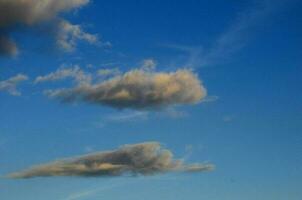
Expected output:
{"points": [[150, 99]]}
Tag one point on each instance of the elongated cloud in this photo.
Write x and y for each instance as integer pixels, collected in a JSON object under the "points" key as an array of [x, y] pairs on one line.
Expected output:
{"points": [[138, 89], [62, 73], [138, 159], [15, 14], [10, 85]]}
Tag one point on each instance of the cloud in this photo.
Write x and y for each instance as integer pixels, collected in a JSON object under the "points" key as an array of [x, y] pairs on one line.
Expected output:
{"points": [[68, 35], [10, 85], [148, 64], [237, 34], [210, 99], [138, 89], [93, 191], [228, 118], [235, 37], [15, 14], [138, 159], [128, 116], [174, 113], [63, 72], [108, 72]]}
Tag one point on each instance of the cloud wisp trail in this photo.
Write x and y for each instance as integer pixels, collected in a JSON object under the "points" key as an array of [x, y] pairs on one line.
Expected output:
{"points": [[235, 37]]}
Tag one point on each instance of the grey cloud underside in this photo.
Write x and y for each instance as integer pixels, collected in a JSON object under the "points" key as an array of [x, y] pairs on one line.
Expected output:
{"points": [[29, 13], [138, 159], [137, 89]]}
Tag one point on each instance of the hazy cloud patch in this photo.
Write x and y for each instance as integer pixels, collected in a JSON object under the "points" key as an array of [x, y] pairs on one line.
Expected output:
{"points": [[105, 73], [63, 72], [234, 38], [210, 98], [128, 116], [138, 159], [69, 34], [10, 85], [148, 64]]}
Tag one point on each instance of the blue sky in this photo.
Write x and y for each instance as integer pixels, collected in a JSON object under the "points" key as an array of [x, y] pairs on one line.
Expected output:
{"points": [[246, 54]]}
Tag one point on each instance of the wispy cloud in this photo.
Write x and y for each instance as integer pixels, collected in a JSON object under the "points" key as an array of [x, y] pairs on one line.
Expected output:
{"points": [[69, 34], [228, 118], [108, 72], [128, 116], [10, 85], [233, 39], [238, 34], [148, 64], [134, 116], [138, 159], [64, 72], [92, 191], [81, 195], [174, 113], [210, 98]]}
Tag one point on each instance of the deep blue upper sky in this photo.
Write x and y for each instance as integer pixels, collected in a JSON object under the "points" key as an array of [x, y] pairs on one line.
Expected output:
{"points": [[248, 55]]}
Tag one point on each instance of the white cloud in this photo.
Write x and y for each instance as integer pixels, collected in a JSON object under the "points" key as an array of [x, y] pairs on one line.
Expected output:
{"points": [[210, 99], [108, 72], [63, 72], [128, 116], [10, 85], [68, 35], [148, 64]]}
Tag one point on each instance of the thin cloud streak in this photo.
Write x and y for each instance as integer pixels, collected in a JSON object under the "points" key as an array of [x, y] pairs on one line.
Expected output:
{"points": [[233, 39], [92, 192], [63, 72], [128, 116]]}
